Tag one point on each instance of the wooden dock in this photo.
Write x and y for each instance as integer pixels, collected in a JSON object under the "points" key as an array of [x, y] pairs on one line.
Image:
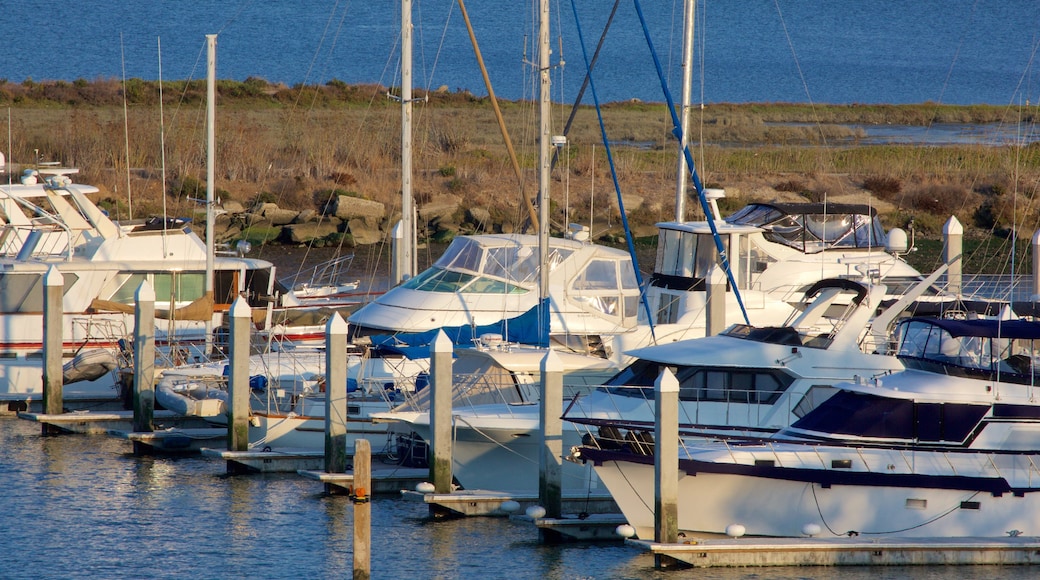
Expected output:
{"points": [[858, 551], [580, 527], [99, 422], [386, 479], [175, 440], [271, 460], [476, 502]]}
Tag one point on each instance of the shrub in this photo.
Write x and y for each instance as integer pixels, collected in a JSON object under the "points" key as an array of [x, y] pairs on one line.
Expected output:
{"points": [[882, 186]]}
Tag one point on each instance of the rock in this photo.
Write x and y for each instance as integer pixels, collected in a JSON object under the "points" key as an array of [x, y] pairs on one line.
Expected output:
{"points": [[280, 217], [364, 232], [307, 215], [307, 232], [439, 207], [479, 217], [232, 206], [348, 208]]}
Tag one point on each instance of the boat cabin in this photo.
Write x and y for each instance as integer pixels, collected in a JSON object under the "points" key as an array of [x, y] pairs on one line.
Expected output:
{"points": [[1005, 350]]}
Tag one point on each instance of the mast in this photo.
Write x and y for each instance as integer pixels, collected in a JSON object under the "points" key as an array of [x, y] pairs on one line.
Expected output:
{"points": [[211, 117], [405, 258], [689, 11], [543, 148]]}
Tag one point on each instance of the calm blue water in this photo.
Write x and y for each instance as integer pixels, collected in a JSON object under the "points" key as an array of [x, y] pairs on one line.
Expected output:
{"points": [[856, 51], [84, 507]]}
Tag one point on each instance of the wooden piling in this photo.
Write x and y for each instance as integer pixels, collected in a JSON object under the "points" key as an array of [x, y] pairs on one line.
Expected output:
{"points": [[666, 464], [550, 494], [361, 497], [53, 312], [238, 379], [953, 250], [441, 352], [144, 362], [1036, 266], [715, 313], [335, 395]]}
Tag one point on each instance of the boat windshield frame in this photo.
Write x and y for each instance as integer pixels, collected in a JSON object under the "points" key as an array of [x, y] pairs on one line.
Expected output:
{"points": [[469, 266], [815, 227]]}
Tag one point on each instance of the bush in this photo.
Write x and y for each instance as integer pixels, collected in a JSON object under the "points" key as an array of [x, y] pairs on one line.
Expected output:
{"points": [[883, 187]]}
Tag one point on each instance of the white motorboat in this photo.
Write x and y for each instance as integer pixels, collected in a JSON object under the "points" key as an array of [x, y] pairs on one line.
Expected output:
{"points": [[948, 447], [287, 394], [748, 380], [53, 224], [777, 251]]}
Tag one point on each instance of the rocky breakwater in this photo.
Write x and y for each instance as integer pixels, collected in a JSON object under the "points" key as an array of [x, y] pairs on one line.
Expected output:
{"points": [[351, 221]]}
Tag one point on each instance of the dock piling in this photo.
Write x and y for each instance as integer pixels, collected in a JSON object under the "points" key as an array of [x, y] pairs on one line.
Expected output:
{"points": [[53, 312], [953, 250], [715, 317], [238, 379], [550, 483], [666, 465], [441, 353], [361, 496], [144, 362], [335, 396]]}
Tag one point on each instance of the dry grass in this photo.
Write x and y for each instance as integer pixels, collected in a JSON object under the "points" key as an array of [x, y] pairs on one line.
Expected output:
{"points": [[286, 144]]}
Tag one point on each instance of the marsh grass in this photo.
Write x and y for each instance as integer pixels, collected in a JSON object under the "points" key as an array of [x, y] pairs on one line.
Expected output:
{"points": [[288, 143]]}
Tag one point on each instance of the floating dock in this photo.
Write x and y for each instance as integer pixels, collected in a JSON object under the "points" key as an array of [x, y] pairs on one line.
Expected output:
{"points": [[271, 460], [579, 527], [175, 440], [476, 502], [881, 551], [98, 422], [386, 479]]}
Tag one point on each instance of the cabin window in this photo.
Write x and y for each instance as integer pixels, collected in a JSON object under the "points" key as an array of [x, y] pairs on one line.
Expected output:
{"points": [[23, 292], [749, 386], [509, 264], [180, 286], [462, 254], [668, 308], [598, 275]]}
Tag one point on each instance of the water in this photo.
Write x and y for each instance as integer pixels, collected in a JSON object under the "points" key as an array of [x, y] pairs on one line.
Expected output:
{"points": [[82, 506], [862, 51]]}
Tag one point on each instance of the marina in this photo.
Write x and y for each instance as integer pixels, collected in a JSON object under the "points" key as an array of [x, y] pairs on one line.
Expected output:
{"points": [[783, 396]]}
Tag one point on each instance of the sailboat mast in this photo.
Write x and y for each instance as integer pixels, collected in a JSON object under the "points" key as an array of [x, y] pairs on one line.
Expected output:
{"points": [[211, 118], [544, 159], [406, 264], [689, 10]]}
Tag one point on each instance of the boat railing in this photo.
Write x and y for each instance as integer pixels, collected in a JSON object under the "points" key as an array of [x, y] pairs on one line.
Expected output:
{"points": [[1018, 469], [700, 409], [1016, 288]]}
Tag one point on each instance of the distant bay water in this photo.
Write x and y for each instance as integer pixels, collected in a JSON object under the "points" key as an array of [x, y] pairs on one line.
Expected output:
{"points": [[856, 51]]}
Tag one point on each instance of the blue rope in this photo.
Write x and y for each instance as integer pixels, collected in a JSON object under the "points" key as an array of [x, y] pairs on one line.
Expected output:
{"points": [[613, 174], [677, 131]]}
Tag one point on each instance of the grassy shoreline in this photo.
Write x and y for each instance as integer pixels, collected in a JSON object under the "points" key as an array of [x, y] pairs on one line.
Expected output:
{"points": [[295, 145]]}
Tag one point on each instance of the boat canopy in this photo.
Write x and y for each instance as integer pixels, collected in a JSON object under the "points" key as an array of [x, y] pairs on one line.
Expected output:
{"points": [[814, 227], [1007, 346]]}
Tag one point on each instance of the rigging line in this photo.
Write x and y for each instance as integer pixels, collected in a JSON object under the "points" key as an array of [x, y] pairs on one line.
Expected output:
{"points": [[231, 20], [723, 258], [585, 82], [126, 131], [613, 173], [162, 145], [440, 48], [801, 73]]}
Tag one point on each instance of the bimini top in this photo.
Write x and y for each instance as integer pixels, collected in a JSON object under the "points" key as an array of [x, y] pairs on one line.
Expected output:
{"points": [[812, 227], [983, 328]]}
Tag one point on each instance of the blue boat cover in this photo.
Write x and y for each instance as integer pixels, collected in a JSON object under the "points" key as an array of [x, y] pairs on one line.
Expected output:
{"points": [[523, 329]]}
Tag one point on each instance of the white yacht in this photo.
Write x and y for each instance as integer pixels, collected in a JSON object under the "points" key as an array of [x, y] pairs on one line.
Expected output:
{"points": [[777, 251], [748, 380], [949, 447], [53, 224]]}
